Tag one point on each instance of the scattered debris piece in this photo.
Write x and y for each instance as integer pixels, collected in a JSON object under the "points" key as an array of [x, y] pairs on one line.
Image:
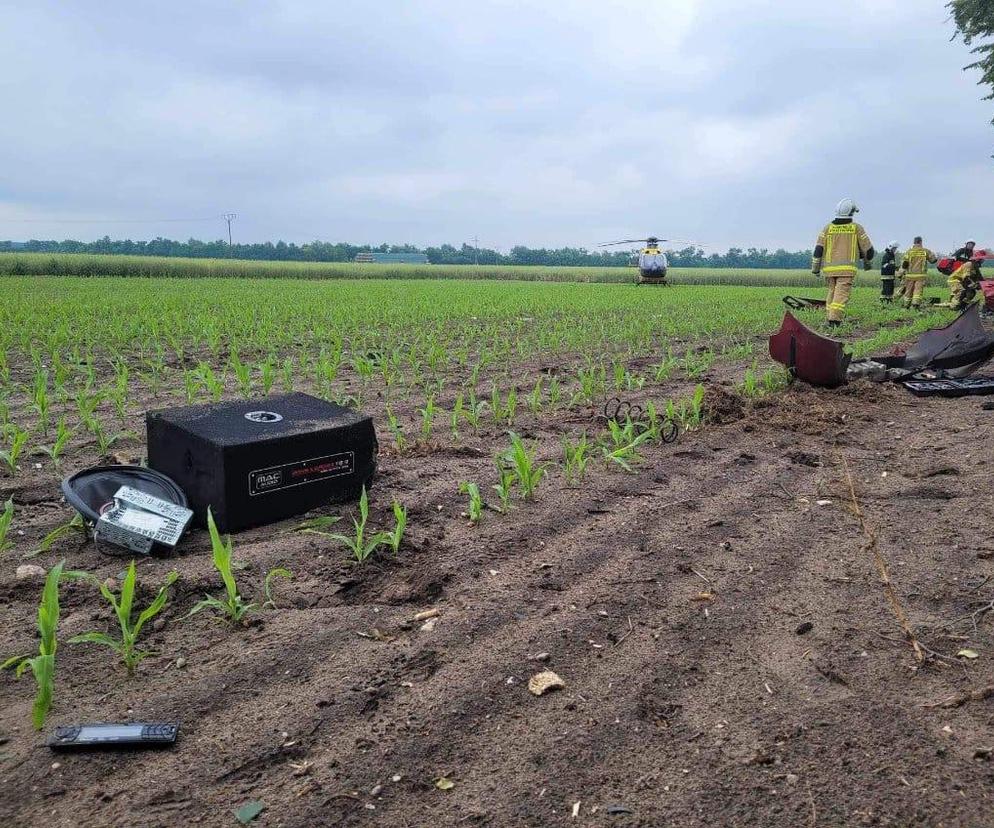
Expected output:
{"points": [[543, 656], [804, 627], [823, 503], [544, 682], [703, 596], [576, 809], [983, 753], [968, 653], [428, 625], [430, 613], [444, 783], [248, 812], [619, 809]]}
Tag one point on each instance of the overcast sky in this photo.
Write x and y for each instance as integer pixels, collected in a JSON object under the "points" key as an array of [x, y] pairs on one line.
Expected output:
{"points": [[562, 123]]}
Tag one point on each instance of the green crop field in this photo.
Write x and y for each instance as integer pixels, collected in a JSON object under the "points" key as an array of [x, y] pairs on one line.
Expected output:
{"points": [[82, 264], [88, 349]]}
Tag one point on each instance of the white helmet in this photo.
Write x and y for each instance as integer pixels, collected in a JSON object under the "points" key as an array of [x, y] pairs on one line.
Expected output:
{"points": [[846, 208], [971, 241], [892, 246]]}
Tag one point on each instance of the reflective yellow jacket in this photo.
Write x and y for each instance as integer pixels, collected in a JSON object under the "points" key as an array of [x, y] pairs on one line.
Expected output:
{"points": [[917, 260], [839, 247]]}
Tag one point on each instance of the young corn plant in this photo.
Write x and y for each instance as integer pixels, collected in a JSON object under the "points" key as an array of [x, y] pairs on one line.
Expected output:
{"points": [[6, 518], [472, 490], [457, 415], [522, 462], [473, 412], [232, 608], [43, 665], [17, 439], [362, 545], [243, 373], [40, 401], [286, 375], [625, 440], [535, 398], [62, 437], [504, 486], [272, 575], [396, 535], [126, 645], [575, 456], [427, 419], [399, 438], [267, 376]]}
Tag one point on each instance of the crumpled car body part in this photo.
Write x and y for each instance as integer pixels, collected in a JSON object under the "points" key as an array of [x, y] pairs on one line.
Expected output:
{"points": [[811, 357], [956, 350]]}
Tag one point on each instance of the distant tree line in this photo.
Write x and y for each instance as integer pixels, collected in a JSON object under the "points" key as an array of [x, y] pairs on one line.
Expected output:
{"points": [[445, 254]]}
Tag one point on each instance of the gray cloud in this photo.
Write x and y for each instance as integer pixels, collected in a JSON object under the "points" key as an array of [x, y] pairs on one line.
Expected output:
{"points": [[435, 121]]}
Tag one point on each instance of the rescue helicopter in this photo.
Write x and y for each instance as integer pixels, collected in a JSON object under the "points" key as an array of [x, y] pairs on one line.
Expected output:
{"points": [[651, 260]]}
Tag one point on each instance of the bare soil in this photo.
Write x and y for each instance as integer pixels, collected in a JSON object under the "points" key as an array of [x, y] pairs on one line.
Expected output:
{"points": [[728, 652]]}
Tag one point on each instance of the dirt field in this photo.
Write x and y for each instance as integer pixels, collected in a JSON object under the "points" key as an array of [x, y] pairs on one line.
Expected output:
{"points": [[728, 652]]}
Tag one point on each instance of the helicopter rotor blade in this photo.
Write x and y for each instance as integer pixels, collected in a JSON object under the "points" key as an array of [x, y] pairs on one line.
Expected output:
{"points": [[623, 241]]}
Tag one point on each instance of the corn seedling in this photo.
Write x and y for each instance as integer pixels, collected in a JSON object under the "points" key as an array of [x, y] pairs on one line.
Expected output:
{"points": [[534, 398], [427, 418], [123, 604], [473, 411], [43, 665], [62, 437], [243, 373], [362, 545], [6, 518], [232, 608], [696, 363], [315, 525], [39, 399], [475, 510], [272, 575], [267, 376], [457, 413], [504, 486], [625, 441], [209, 381], [286, 373], [394, 537], [399, 439], [17, 439], [522, 462], [73, 526], [575, 456], [555, 392]]}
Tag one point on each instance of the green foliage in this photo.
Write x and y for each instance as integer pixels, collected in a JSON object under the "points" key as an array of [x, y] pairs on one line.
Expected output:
{"points": [[272, 575], [396, 535], [122, 605], [575, 457], [975, 20], [73, 526], [43, 665], [475, 511], [17, 439], [624, 440], [6, 518], [62, 437], [504, 486], [521, 461], [232, 607], [362, 544]]}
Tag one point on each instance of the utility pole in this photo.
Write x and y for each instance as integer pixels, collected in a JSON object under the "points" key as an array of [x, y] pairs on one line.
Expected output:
{"points": [[476, 245], [229, 217]]}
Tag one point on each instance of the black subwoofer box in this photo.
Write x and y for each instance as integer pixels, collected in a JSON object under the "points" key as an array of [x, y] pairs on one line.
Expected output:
{"points": [[258, 461]]}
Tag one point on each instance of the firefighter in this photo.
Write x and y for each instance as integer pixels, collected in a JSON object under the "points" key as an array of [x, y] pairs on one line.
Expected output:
{"points": [[888, 267], [965, 253], [840, 246], [964, 281], [914, 271]]}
